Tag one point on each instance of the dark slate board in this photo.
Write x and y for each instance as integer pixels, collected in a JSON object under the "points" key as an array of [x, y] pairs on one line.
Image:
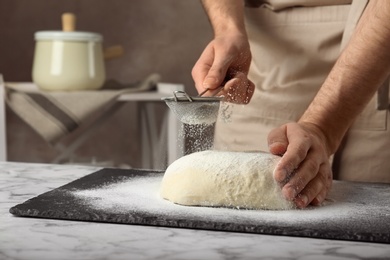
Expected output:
{"points": [[353, 211]]}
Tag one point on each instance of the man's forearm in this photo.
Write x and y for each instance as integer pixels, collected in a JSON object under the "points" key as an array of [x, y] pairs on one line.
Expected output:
{"points": [[226, 16], [360, 70]]}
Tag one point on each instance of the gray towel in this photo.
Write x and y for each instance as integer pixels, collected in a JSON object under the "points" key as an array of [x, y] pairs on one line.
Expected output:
{"points": [[54, 115]]}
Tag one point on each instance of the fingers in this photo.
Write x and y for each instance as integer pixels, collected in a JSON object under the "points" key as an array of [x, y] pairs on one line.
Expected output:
{"points": [[316, 190], [304, 171], [312, 188], [202, 67], [277, 141], [217, 73], [210, 70], [225, 62], [298, 147], [306, 182], [239, 89]]}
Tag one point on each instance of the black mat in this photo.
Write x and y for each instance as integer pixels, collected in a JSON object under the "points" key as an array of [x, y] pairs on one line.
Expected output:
{"points": [[353, 211]]}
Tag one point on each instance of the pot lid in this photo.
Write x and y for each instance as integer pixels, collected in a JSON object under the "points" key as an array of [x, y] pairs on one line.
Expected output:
{"points": [[68, 36]]}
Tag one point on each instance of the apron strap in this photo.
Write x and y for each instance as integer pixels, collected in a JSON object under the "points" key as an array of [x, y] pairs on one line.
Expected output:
{"points": [[382, 102], [357, 8]]}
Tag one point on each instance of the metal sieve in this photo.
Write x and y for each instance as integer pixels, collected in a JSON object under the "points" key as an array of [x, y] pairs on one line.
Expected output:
{"points": [[193, 110]]}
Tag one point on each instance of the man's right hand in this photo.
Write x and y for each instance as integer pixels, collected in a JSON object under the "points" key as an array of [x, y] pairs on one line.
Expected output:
{"points": [[225, 62]]}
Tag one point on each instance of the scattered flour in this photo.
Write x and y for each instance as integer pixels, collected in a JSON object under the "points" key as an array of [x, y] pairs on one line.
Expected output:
{"points": [[198, 137], [225, 112], [141, 194]]}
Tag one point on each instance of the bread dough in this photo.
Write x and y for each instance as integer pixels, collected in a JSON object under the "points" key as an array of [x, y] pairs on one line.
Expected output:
{"points": [[224, 179]]}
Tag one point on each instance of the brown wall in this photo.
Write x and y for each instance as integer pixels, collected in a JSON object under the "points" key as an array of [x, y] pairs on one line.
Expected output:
{"points": [[159, 36]]}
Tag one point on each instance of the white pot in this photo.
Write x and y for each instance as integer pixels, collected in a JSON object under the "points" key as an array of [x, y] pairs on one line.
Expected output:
{"points": [[68, 60]]}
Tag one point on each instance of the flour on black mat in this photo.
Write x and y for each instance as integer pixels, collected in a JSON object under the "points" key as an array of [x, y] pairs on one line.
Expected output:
{"points": [[141, 194]]}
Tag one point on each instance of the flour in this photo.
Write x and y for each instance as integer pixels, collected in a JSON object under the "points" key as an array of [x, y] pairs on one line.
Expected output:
{"points": [[141, 194], [200, 114], [196, 112], [138, 194], [352, 211], [198, 137], [225, 112], [205, 114]]}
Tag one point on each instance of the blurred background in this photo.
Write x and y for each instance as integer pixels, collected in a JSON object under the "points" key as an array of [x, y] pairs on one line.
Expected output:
{"points": [[158, 36]]}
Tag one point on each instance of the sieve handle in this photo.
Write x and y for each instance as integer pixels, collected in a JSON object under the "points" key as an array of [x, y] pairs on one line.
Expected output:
{"points": [[176, 92], [204, 91], [214, 90]]}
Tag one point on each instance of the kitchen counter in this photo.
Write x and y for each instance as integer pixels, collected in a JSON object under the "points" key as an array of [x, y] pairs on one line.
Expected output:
{"points": [[33, 238]]}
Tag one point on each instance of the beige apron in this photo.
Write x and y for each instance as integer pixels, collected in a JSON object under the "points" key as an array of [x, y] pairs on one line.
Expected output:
{"points": [[294, 49]]}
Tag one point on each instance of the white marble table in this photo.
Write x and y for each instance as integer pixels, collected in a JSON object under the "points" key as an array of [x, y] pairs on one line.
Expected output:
{"points": [[31, 238]]}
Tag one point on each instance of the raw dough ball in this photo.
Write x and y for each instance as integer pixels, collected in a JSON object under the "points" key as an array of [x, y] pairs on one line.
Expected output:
{"points": [[224, 179]]}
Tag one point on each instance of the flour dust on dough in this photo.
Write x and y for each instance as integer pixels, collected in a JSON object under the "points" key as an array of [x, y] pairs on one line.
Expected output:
{"points": [[224, 179]]}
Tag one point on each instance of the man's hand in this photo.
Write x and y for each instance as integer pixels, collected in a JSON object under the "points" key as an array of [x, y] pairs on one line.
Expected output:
{"points": [[225, 62], [226, 59], [304, 172]]}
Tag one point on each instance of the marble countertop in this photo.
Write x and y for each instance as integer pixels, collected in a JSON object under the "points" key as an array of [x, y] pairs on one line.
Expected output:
{"points": [[32, 238]]}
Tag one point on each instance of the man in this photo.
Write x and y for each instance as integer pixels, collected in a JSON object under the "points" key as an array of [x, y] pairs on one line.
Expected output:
{"points": [[316, 86]]}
